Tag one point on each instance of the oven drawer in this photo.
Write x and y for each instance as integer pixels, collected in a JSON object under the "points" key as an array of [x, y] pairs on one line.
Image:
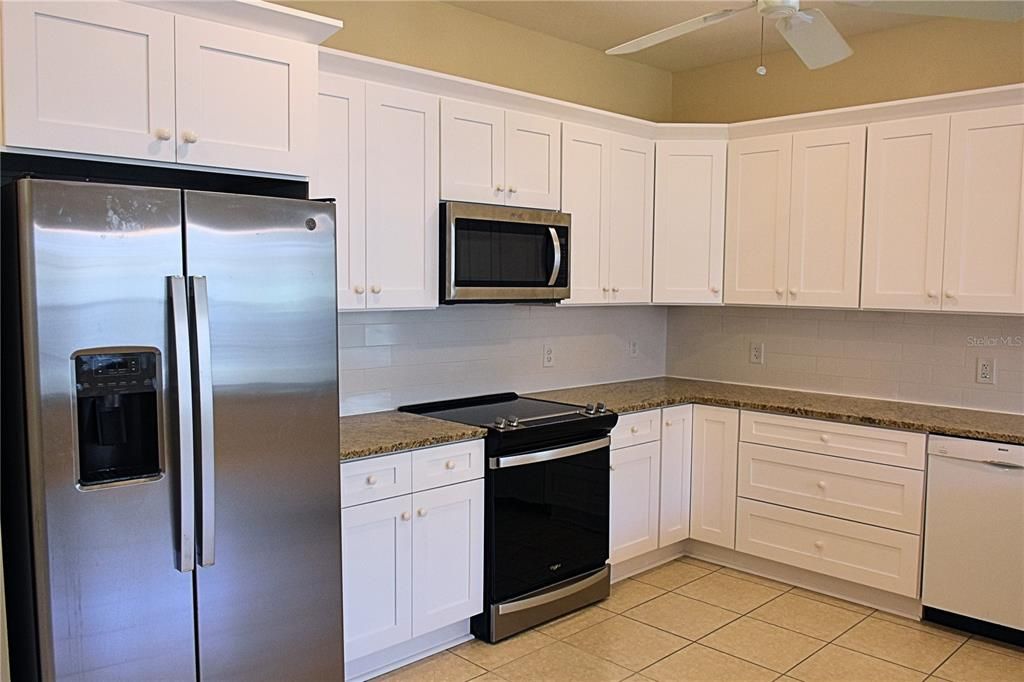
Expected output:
{"points": [[866, 443], [447, 464], [377, 478], [876, 557], [859, 491], [636, 428]]}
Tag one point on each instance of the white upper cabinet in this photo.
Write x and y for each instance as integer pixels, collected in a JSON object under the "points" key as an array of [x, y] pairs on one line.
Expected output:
{"points": [[984, 254], [586, 162], [94, 78], [905, 213], [631, 219], [401, 198], [689, 221], [757, 220], [244, 99], [493, 156], [340, 173], [825, 220]]}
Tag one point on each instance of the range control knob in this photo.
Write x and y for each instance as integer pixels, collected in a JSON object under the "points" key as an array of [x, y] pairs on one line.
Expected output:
{"points": [[590, 409], [601, 407], [500, 422], [513, 420]]}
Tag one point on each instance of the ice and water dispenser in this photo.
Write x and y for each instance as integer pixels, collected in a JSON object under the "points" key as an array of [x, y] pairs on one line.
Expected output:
{"points": [[118, 437]]}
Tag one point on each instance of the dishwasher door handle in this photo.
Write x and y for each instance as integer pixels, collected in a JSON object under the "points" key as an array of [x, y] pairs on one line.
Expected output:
{"points": [[1001, 464]]}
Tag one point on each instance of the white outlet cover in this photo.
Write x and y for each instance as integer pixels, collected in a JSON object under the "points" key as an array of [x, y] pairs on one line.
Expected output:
{"points": [[634, 348], [757, 352], [549, 356], [985, 371]]}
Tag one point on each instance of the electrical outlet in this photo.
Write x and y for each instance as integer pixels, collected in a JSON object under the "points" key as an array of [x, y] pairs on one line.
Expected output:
{"points": [[549, 355], [634, 348], [985, 372], [757, 352]]}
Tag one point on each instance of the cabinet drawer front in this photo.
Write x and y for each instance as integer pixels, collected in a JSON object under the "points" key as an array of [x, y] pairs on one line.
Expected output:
{"points": [[366, 480], [876, 557], [859, 491], [866, 443], [447, 464], [636, 428]]}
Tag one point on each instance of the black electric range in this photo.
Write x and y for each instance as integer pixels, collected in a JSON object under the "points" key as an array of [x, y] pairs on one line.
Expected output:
{"points": [[546, 506]]}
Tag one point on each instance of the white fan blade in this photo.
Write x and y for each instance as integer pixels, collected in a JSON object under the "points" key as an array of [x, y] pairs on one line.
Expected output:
{"points": [[991, 10], [688, 26], [814, 39]]}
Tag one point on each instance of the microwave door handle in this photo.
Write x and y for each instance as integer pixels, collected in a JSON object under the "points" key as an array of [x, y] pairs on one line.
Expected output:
{"points": [[557, 267], [186, 453]]}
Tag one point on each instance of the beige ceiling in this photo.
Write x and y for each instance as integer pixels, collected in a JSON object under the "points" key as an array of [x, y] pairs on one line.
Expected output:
{"points": [[604, 24]]}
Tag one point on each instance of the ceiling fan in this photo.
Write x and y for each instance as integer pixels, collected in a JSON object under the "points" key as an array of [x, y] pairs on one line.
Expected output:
{"points": [[813, 37]]}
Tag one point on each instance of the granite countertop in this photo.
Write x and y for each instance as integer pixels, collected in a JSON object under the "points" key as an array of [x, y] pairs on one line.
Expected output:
{"points": [[380, 433], [646, 394]]}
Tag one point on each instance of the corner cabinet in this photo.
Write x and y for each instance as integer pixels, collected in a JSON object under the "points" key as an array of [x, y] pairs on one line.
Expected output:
{"points": [[387, 201], [122, 80], [713, 485], [689, 221]]}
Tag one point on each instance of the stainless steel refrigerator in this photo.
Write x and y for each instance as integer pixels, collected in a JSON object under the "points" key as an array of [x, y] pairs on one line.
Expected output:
{"points": [[179, 429]]}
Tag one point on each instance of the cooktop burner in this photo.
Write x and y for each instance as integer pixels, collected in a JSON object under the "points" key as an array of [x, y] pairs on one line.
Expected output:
{"points": [[505, 411]]}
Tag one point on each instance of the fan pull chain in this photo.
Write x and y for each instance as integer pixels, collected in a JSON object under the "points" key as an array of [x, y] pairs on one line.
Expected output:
{"points": [[762, 70]]}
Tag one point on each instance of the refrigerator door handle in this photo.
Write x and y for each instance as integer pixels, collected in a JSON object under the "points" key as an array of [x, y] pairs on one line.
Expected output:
{"points": [[183, 394], [202, 391]]}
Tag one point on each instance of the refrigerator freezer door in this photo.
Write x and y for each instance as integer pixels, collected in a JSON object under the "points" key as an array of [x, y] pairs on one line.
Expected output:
{"points": [[269, 606], [103, 462]]}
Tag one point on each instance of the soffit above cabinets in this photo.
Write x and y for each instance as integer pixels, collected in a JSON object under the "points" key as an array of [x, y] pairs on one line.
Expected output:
{"points": [[255, 15]]}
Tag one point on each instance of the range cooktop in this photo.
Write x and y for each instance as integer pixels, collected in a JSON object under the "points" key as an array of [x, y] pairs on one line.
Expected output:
{"points": [[506, 411]]}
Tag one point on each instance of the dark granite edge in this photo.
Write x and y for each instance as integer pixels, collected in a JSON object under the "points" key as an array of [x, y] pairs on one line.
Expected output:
{"points": [[348, 455]]}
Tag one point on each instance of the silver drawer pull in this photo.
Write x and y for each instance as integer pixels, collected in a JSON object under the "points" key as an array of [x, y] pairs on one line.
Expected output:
{"points": [[449, 465], [371, 480]]}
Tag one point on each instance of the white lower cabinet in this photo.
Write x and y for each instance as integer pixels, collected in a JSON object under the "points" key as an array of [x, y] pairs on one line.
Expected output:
{"points": [[634, 500], [713, 484], [676, 461]]}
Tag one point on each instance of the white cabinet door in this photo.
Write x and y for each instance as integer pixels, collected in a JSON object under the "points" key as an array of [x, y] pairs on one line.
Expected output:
{"points": [[473, 160], [401, 198], [757, 220], [689, 221], [826, 217], [905, 213], [244, 99], [713, 487], [94, 77], [676, 461], [376, 575], [586, 162], [634, 501], [631, 219], [533, 161], [340, 173], [984, 255], [447, 555]]}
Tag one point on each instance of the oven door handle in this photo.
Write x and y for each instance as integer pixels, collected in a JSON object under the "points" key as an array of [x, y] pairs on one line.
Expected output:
{"points": [[548, 455], [557, 267]]}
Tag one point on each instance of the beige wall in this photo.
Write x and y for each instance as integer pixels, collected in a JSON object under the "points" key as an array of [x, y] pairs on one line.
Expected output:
{"points": [[452, 40], [908, 61]]}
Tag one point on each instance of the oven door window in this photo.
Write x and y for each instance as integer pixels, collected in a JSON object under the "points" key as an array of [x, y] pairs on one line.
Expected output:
{"points": [[550, 522], [491, 253]]}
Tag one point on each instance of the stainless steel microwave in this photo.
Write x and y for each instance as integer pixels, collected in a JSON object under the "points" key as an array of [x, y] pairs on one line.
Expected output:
{"points": [[503, 254]]}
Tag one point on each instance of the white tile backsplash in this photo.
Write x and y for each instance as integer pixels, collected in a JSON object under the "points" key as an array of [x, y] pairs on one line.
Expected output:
{"points": [[394, 358], [918, 357]]}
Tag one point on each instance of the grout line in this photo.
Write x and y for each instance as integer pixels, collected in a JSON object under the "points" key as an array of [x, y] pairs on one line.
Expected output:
{"points": [[886, 660], [953, 653]]}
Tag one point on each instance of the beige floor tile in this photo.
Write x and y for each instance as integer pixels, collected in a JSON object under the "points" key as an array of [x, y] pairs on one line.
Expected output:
{"points": [[672, 575], [814, 618], [940, 630], [835, 664], [561, 663], [627, 642], [702, 664], [574, 622], [699, 563], [442, 667], [1001, 647], [767, 582], [905, 646], [763, 643], [491, 656], [834, 601], [637, 677], [629, 593], [488, 677], [681, 615], [975, 664], [728, 592]]}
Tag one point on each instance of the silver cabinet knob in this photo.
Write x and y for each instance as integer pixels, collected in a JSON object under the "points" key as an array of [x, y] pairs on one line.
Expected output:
{"points": [[779, 291], [371, 480], [714, 289], [421, 512], [511, 189], [819, 544], [449, 465], [375, 289], [358, 289], [824, 438], [668, 423], [162, 134], [950, 293], [932, 293], [615, 290], [822, 485], [605, 289], [792, 292], [189, 137], [499, 188], [634, 429], [406, 516]]}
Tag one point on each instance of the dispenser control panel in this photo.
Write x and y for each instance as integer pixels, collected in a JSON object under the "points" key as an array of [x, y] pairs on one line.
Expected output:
{"points": [[106, 373]]}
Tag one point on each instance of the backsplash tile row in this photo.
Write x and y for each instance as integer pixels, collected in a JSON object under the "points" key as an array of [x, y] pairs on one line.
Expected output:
{"points": [[918, 357], [394, 358]]}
